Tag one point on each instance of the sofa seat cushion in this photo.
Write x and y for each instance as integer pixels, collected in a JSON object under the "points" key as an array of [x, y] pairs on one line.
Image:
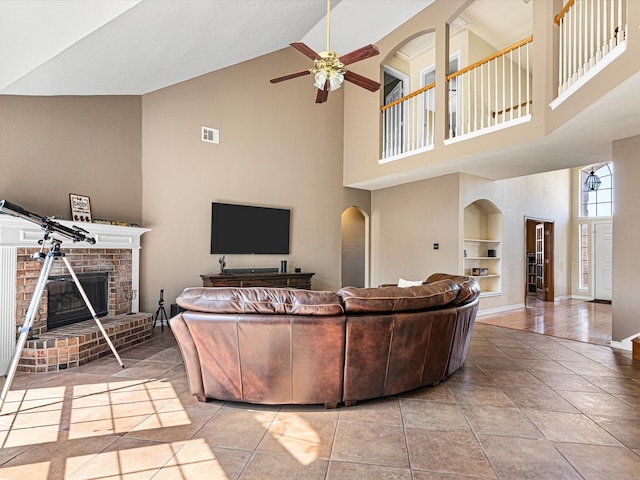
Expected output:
{"points": [[278, 301], [398, 299]]}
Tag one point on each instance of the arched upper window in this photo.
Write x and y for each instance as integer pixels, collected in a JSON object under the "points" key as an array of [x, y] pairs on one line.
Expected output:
{"points": [[597, 202]]}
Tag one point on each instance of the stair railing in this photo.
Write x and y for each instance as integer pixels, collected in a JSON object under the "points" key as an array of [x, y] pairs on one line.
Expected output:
{"points": [[408, 123], [491, 91], [487, 93], [589, 30]]}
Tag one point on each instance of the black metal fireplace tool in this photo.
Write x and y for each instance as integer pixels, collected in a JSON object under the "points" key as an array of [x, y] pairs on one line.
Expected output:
{"points": [[50, 228]]}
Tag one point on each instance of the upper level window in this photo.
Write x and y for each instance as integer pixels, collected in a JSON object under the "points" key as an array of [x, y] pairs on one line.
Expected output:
{"points": [[597, 203]]}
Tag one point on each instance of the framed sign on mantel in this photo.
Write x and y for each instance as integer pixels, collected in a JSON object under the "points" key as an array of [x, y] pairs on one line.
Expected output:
{"points": [[80, 208]]}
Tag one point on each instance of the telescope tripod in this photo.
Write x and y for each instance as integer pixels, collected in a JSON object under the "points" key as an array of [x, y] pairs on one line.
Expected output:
{"points": [[54, 253], [161, 313]]}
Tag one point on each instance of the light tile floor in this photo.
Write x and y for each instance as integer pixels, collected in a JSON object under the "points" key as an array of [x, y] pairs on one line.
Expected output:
{"points": [[524, 406]]}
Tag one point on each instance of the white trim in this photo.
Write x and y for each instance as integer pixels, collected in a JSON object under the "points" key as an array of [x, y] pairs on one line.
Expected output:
{"points": [[18, 232], [625, 344], [492, 128], [493, 311], [8, 269], [400, 156], [592, 72], [586, 298]]}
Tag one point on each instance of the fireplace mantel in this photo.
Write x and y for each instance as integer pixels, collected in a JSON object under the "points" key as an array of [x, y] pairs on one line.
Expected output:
{"points": [[17, 233]]}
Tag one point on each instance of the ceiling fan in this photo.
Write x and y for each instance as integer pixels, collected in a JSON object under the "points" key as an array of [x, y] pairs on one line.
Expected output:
{"points": [[328, 66]]}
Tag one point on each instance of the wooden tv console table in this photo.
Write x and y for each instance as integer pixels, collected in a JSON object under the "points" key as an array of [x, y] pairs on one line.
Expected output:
{"points": [[280, 280]]}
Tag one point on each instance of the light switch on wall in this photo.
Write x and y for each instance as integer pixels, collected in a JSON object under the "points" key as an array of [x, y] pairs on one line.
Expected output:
{"points": [[211, 135]]}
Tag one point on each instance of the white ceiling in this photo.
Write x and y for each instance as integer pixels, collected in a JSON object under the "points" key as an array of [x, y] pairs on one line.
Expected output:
{"points": [[132, 47]]}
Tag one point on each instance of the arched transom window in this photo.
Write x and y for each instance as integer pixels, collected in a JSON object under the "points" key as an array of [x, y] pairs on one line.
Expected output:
{"points": [[597, 202]]}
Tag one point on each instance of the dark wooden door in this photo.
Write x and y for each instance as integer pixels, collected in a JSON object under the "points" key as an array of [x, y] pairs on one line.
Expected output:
{"points": [[540, 262]]}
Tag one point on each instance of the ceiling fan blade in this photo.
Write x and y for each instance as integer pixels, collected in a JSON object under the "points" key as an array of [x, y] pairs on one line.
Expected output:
{"points": [[308, 51], [323, 94], [290, 76], [359, 54], [361, 81]]}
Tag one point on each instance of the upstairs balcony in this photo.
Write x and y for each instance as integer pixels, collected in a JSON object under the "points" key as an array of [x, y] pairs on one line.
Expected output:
{"points": [[554, 98]]}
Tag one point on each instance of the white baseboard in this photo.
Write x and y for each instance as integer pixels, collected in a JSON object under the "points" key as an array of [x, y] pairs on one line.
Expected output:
{"points": [[624, 344], [586, 298], [493, 311]]}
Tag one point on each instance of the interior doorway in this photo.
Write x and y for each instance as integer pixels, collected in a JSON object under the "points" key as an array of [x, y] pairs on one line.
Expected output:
{"points": [[396, 86], [539, 248], [354, 228]]}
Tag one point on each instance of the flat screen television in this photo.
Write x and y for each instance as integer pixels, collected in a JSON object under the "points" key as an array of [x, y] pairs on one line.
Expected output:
{"points": [[246, 229]]}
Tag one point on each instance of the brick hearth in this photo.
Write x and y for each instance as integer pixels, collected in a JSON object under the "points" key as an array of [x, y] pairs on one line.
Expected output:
{"points": [[74, 345], [79, 343]]}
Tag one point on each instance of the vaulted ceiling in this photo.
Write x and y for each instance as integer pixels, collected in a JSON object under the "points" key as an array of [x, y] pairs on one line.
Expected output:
{"points": [[132, 47]]}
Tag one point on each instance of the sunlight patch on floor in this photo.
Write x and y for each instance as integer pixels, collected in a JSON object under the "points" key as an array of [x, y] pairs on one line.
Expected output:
{"points": [[297, 437], [37, 416]]}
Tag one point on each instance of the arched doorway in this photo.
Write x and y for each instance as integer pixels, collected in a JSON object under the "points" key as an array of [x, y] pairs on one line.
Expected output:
{"points": [[355, 248]]}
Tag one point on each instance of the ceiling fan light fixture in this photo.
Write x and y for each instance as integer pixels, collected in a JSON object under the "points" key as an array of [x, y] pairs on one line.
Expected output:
{"points": [[335, 80], [320, 79], [329, 72]]}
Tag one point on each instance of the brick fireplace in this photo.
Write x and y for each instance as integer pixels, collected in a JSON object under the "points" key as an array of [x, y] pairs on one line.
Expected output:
{"points": [[116, 262], [116, 253]]}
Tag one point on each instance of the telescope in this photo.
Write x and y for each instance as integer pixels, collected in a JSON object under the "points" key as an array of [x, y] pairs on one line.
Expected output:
{"points": [[74, 233], [49, 226]]}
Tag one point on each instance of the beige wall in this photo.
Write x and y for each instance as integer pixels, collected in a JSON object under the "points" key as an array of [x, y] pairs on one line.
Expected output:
{"points": [[277, 148], [626, 231], [408, 219], [546, 196], [53, 146]]}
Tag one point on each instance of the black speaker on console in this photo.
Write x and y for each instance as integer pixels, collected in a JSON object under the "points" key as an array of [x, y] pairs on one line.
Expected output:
{"points": [[240, 271]]}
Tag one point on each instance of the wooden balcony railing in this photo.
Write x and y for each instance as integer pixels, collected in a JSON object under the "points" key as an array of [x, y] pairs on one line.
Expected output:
{"points": [[491, 91], [488, 92], [408, 123], [497, 90], [589, 30]]}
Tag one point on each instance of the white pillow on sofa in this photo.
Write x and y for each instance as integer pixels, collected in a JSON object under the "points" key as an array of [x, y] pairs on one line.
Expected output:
{"points": [[409, 283]]}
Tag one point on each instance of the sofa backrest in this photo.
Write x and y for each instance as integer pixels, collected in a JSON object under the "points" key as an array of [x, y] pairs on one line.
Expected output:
{"points": [[278, 301], [399, 299], [469, 287]]}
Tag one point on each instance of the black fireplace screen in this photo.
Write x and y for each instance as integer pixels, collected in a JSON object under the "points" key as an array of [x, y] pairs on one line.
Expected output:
{"points": [[65, 305]]}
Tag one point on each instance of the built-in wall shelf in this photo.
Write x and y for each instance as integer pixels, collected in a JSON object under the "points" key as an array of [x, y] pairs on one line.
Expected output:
{"points": [[482, 246]]}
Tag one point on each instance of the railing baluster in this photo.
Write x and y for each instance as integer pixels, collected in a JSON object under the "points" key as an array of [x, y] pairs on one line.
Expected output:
{"points": [[589, 30], [528, 78], [487, 93], [495, 84]]}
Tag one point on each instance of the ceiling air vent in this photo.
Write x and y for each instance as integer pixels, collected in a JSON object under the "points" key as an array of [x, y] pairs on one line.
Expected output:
{"points": [[211, 135]]}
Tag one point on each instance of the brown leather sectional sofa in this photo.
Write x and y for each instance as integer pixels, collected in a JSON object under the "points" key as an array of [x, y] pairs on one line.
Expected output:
{"points": [[282, 346]]}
